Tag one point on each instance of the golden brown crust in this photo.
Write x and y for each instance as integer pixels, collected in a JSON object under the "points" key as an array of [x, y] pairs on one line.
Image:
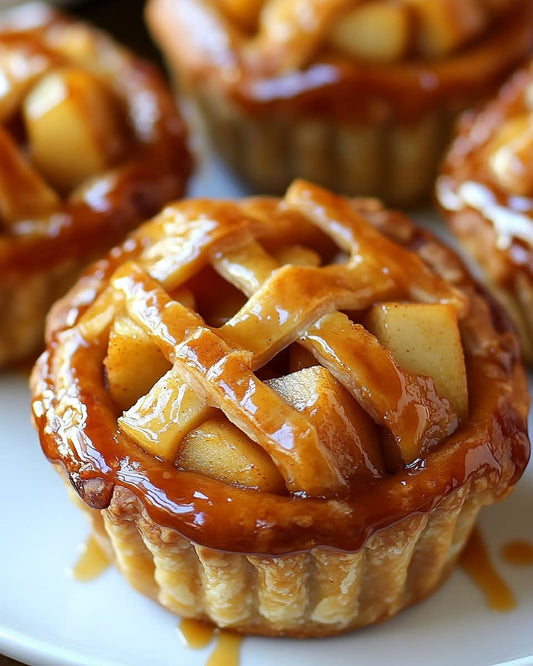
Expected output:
{"points": [[260, 310], [486, 193], [43, 225]]}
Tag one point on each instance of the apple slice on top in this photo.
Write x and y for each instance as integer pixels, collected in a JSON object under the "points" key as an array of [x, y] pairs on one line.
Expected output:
{"points": [[23, 193], [133, 362], [220, 450], [375, 32], [424, 339], [73, 126]]}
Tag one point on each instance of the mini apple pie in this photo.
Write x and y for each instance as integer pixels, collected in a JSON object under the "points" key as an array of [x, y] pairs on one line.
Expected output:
{"points": [[486, 191], [90, 145], [358, 96], [283, 414]]}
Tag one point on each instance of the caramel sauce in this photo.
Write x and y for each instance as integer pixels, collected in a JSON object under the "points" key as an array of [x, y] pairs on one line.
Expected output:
{"points": [[197, 635], [92, 562], [227, 650], [476, 562], [518, 552]]}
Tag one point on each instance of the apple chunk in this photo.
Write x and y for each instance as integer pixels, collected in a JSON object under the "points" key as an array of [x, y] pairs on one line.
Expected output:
{"points": [[23, 193], [220, 450], [374, 31], [133, 362], [161, 419], [446, 25], [245, 12], [343, 427], [73, 127], [425, 340]]}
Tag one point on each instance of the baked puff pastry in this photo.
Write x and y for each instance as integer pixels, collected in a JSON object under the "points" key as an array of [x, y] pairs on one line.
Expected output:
{"points": [[486, 192], [356, 95], [90, 145], [283, 414]]}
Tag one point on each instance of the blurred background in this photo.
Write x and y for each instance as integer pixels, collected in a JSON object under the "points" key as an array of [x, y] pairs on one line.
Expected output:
{"points": [[122, 18]]}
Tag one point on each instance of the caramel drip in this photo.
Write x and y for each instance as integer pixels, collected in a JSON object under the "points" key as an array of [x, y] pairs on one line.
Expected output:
{"points": [[518, 552], [227, 649], [195, 634], [92, 562], [476, 563]]}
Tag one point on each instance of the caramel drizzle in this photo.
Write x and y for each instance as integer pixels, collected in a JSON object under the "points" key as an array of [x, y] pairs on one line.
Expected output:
{"points": [[476, 562], [92, 562], [197, 635], [519, 553], [227, 650]]}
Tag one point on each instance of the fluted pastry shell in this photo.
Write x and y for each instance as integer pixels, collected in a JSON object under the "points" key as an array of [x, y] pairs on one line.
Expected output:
{"points": [[486, 195], [280, 100], [336, 532], [320, 592], [48, 231]]}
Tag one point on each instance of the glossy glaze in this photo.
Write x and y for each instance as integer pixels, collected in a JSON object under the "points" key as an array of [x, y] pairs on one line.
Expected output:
{"points": [[197, 635], [83, 436], [227, 650]]}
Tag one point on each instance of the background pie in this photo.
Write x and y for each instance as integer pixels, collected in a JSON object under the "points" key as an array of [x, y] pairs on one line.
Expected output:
{"points": [[486, 192], [90, 145], [356, 96]]}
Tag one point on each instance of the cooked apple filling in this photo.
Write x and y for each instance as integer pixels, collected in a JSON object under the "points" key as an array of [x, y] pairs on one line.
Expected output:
{"points": [[73, 106], [486, 191]]}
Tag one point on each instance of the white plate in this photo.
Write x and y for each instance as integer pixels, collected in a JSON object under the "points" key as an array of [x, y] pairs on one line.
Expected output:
{"points": [[47, 617]]}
